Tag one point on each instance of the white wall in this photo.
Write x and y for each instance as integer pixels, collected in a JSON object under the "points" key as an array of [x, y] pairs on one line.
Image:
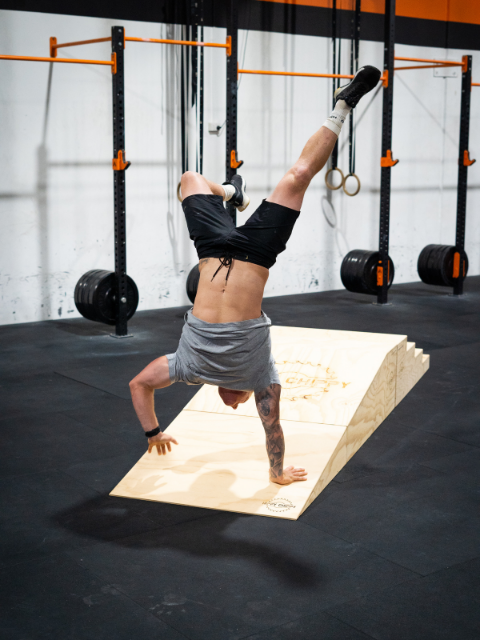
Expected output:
{"points": [[56, 196]]}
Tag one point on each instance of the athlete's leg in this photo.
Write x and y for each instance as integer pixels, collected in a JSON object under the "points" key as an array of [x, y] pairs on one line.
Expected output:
{"points": [[193, 183], [233, 191], [291, 188]]}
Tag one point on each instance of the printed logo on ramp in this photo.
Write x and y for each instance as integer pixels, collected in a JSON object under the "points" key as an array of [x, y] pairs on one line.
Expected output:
{"points": [[277, 505]]}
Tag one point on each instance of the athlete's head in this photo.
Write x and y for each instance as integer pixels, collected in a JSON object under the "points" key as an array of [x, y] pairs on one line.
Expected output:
{"points": [[233, 398]]}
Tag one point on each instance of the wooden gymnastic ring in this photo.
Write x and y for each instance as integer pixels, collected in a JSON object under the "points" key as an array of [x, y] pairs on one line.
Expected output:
{"points": [[351, 175], [179, 193], [329, 185]]}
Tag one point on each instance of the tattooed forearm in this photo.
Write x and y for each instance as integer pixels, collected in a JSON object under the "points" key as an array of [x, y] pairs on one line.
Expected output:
{"points": [[268, 405], [275, 450]]}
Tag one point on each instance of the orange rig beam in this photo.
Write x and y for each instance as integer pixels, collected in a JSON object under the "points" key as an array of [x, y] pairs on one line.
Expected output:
{"points": [[433, 64], [428, 66], [54, 46], [106, 63], [189, 43], [294, 73], [431, 60]]}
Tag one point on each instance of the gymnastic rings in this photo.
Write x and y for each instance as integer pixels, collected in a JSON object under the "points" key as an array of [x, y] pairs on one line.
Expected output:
{"points": [[179, 193], [343, 182], [353, 193], [329, 184]]}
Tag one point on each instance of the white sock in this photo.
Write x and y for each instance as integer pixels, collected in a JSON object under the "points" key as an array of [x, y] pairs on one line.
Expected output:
{"points": [[338, 116], [229, 191]]}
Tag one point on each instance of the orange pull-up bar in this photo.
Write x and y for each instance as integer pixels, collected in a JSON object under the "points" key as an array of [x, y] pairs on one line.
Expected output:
{"points": [[112, 64], [54, 46], [189, 43], [433, 64], [294, 73], [445, 62], [427, 66], [384, 78]]}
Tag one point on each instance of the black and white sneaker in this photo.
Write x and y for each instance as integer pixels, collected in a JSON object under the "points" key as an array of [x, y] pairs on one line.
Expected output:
{"points": [[364, 81], [240, 200]]}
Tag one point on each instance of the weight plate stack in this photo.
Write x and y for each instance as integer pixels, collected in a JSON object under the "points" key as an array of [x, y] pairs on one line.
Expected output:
{"points": [[436, 262], [359, 271], [81, 294], [192, 283], [95, 296]]}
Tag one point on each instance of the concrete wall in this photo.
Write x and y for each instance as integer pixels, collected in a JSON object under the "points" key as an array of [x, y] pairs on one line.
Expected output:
{"points": [[56, 196]]}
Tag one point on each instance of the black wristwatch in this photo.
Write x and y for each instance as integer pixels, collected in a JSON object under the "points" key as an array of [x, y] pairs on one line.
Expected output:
{"points": [[153, 432]]}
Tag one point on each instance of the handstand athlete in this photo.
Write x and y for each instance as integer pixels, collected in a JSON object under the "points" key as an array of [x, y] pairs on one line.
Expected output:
{"points": [[226, 337]]}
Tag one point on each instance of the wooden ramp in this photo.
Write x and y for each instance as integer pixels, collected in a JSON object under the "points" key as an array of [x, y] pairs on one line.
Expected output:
{"points": [[337, 388]]}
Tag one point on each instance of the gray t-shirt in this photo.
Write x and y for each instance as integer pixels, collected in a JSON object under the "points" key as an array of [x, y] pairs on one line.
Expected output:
{"points": [[234, 355]]}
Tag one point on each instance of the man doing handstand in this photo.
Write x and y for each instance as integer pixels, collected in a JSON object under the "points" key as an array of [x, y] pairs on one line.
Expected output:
{"points": [[226, 337]]}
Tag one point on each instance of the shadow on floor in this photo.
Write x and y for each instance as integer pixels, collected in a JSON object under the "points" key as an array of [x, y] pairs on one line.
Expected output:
{"points": [[204, 537]]}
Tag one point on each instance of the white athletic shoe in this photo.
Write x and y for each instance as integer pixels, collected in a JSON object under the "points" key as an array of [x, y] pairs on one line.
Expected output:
{"points": [[240, 200]]}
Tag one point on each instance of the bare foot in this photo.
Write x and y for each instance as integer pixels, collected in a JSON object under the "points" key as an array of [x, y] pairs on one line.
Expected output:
{"points": [[291, 474]]}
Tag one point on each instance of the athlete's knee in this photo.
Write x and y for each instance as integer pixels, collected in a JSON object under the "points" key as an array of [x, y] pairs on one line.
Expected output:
{"points": [[189, 177], [300, 176]]}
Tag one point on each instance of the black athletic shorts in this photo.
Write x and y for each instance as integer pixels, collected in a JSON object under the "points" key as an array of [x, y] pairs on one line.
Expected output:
{"points": [[259, 240]]}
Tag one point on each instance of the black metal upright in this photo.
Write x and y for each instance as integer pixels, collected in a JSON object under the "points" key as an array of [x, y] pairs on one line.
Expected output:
{"points": [[183, 103], [201, 103], [231, 161], [335, 81], [386, 162], [192, 34], [358, 14], [198, 68], [463, 163], [354, 55], [119, 166]]}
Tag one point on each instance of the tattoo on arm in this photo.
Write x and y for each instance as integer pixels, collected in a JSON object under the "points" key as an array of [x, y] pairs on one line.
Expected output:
{"points": [[268, 406]]}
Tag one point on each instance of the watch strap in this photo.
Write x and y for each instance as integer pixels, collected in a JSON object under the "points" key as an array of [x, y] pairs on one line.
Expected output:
{"points": [[153, 432]]}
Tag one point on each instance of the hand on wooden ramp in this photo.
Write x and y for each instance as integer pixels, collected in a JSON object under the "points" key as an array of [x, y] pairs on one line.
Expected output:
{"points": [[162, 442], [291, 474]]}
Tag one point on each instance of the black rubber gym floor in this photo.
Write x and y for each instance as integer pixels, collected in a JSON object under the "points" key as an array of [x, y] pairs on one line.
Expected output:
{"points": [[390, 550]]}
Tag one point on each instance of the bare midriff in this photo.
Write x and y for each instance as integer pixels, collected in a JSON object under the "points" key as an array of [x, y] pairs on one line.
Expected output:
{"points": [[233, 300]]}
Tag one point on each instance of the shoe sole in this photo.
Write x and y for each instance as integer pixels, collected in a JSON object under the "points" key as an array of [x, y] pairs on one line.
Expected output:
{"points": [[246, 202], [246, 199], [340, 89]]}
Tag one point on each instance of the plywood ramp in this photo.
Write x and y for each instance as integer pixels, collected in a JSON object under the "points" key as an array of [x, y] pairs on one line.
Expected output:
{"points": [[337, 388]]}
